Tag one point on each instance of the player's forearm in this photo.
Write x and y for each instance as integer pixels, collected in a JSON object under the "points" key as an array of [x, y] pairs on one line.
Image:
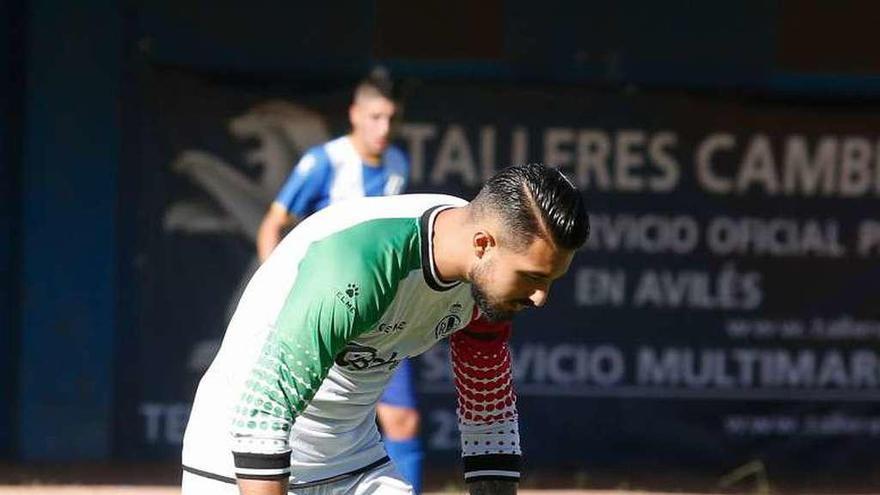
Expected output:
{"points": [[492, 487], [268, 238], [487, 412], [265, 487], [275, 225]]}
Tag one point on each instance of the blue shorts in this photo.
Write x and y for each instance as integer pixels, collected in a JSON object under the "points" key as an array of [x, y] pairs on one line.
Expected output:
{"points": [[401, 391]]}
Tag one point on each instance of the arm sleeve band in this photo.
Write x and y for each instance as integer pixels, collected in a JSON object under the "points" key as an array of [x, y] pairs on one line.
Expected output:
{"points": [[487, 413]]}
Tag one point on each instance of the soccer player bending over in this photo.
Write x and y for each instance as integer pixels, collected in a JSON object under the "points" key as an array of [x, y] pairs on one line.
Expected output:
{"points": [[289, 403]]}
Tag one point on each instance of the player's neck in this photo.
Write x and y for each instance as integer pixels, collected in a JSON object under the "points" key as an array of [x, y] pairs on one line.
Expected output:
{"points": [[451, 244], [369, 159]]}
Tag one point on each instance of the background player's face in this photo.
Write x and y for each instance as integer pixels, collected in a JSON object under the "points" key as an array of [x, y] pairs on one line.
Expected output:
{"points": [[371, 118], [505, 281]]}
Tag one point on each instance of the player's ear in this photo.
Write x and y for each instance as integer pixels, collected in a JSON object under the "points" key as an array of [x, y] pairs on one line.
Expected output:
{"points": [[482, 243], [352, 113]]}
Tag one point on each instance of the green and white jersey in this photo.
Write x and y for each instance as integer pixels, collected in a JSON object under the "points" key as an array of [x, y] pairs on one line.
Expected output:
{"points": [[347, 295]]}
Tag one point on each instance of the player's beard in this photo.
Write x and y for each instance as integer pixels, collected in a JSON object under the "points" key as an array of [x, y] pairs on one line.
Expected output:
{"points": [[489, 310]]}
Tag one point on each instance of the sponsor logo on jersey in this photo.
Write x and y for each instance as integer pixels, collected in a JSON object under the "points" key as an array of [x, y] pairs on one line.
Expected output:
{"points": [[391, 327], [361, 357], [347, 296]]}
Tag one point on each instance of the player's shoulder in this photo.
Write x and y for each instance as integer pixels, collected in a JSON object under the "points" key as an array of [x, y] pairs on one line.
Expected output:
{"points": [[314, 158], [373, 242], [412, 204], [396, 161], [340, 152], [349, 213], [395, 157]]}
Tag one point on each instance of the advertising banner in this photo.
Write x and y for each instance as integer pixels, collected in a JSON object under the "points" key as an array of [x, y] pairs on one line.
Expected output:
{"points": [[724, 310]]}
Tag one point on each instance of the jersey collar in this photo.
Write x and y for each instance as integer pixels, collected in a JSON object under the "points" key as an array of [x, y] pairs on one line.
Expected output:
{"points": [[429, 269]]}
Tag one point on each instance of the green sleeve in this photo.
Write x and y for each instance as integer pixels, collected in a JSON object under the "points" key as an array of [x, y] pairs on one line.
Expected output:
{"points": [[343, 286]]}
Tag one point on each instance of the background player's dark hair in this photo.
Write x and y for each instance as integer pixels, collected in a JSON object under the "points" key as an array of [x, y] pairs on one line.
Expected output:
{"points": [[535, 200], [377, 83]]}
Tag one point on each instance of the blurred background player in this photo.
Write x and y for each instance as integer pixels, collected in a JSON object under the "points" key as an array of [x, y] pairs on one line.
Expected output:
{"points": [[361, 163]]}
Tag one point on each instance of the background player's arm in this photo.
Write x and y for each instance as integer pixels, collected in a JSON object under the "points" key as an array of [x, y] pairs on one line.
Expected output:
{"points": [[276, 223], [296, 200]]}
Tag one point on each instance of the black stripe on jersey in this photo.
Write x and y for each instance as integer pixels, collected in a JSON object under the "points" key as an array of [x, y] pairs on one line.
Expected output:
{"points": [[294, 486], [274, 462], [266, 477], [210, 476], [492, 462], [333, 479], [426, 232], [492, 478]]}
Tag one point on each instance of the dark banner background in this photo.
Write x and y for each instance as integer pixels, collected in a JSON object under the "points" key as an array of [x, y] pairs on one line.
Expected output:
{"points": [[724, 311]]}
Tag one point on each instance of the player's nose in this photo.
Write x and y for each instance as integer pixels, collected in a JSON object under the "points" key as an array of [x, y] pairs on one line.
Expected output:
{"points": [[384, 127], [539, 297]]}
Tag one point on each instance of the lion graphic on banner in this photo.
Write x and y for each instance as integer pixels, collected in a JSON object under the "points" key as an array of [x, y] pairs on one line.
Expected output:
{"points": [[283, 131]]}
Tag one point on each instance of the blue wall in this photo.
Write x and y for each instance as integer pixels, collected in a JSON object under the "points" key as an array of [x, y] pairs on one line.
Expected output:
{"points": [[71, 157], [11, 75]]}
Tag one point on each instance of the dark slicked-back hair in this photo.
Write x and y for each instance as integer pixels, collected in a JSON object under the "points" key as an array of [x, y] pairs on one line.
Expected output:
{"points": [[377, 83], [535, 201]]}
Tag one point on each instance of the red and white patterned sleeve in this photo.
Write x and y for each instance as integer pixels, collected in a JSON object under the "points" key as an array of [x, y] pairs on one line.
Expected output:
{"points": [[487, 414]]}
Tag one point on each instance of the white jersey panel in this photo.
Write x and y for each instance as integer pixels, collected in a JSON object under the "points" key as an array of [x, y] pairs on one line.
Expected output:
{"points": [[348, 180]]}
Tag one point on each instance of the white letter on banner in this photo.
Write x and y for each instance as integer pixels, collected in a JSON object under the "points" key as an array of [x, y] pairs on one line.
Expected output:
{"points": [[659, 371], [487, 151], [628, 157], [593, 148], [152, 414], [607, 365], [855, 167], [800, 174], [597, 287], [705, 174], [557, 144], [663, 159], [758, 167], [454, 156], [416, 134]]}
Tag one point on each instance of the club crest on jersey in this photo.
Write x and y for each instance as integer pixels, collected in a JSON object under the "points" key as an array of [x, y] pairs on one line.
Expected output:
{"points": [[361, 357], [449, 323]]}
